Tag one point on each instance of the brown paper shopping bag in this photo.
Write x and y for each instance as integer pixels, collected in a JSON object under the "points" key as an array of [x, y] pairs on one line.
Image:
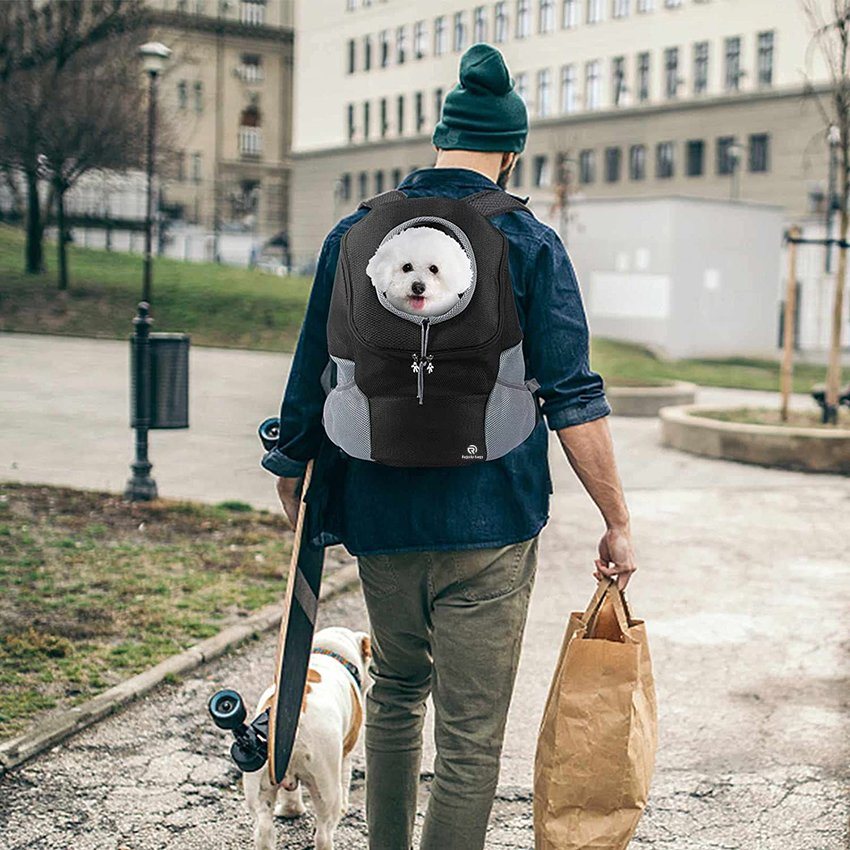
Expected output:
{"points": [[596, 745]]}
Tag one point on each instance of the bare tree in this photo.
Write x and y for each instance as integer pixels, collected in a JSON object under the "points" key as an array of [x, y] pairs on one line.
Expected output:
{"points": [[830, 23], [96, 122], [39, 41]]}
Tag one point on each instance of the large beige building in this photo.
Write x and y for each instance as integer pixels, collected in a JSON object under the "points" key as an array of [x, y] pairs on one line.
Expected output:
{"points": [[626, 97], [227, 105]]}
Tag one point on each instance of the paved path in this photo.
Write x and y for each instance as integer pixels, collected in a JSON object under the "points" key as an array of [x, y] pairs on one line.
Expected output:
{"points": [[744, 583]]}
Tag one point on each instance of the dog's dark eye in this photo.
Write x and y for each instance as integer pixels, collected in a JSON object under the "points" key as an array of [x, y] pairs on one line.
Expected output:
{"points": [[407, 267], [433, 269]]}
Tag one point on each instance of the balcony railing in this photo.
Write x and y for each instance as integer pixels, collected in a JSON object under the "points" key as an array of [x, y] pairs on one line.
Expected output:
{"points": [[251, 141]]}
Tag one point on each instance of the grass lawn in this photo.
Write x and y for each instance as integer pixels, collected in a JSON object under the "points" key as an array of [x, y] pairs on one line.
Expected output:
{"points": [[229, 307], [96, 589]]}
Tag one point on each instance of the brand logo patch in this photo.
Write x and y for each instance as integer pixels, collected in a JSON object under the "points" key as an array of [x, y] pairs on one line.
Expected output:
{"points": [[472, 453]]}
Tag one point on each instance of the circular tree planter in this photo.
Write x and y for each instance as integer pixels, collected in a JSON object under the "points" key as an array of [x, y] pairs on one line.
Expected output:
{"points": [[648, 400], [789, 447]]}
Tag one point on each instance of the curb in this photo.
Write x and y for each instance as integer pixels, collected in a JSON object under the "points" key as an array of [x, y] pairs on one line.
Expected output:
{"points": [[16, 751], [647, 401]]}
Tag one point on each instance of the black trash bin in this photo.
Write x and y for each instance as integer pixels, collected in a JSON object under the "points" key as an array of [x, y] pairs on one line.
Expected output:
{"points": [[168, 405]]}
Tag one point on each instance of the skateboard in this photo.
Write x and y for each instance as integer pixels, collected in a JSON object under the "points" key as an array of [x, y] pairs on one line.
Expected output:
{"points": [[271, 735]]}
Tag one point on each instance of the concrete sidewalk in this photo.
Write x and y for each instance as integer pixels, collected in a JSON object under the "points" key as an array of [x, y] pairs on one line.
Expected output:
{"points": [[744, 583]]}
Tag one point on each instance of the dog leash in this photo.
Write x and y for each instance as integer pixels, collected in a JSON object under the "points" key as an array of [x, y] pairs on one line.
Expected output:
{"points": [[345, 662]]}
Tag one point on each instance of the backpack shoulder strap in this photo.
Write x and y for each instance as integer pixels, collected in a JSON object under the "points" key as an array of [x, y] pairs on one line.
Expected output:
{"points": [[382, 198], [490, 202]]}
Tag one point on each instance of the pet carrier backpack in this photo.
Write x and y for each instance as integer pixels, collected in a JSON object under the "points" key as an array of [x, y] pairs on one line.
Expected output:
{"points": [[428, 391]]}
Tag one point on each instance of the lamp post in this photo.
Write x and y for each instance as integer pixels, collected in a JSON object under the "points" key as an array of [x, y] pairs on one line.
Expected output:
{"points": [[833, 137], [140, 486]]}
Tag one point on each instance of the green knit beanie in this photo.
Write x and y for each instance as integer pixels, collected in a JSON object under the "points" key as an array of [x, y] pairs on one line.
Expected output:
{"points": [[482, 112]]}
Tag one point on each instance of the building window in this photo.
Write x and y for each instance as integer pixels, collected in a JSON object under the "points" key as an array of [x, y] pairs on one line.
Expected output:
{"points": [[345, 187], [438, 103], [568, 88], [643, 77], [251, 68], [385, 124], [420, 37], [618, 80], [733, 63], [198, 92], [401, 44], [726, 155], [367, 52], [664, 160], [587, 166], [759, 152], [500, 29], [613, 156], [182, 95], [620, 8], [363, 184], [570, 14], [250, 141], [765, 59], [396, 176], [459, 31], [197, 172], [350, 5], [637, 162], [644, 6], [672, 4], [352, 56], [379, 182], [522, 86], [440, 35], [253, 12], [366, 119], [541, 176], [700, 67], [546, 16], [544, 92], [592, 85], [399, 111], [594, 11], [351, 126], [384, 48], [523, 18], [180, 166], [517, 177], [419, 106], [695, 166], [671, 72], [479, 25]]}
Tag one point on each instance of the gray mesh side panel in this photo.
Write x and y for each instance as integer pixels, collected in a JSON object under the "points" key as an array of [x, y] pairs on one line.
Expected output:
{"points": [[464, 243], [491, 202], [510, 414], [346, 413]]}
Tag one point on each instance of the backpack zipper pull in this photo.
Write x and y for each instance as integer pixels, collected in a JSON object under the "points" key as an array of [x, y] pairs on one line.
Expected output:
{"points": [[422, 362]]}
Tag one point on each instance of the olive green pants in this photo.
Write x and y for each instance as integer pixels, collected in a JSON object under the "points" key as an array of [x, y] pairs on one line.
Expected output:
{"points": [[449, 624]]}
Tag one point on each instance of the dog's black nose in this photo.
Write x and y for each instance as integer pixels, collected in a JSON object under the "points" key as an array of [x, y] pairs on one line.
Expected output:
{"points": [[417, 287]]}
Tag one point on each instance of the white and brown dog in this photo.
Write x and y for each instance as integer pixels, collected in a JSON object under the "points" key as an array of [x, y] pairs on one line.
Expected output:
{"points": [[328, 730]]}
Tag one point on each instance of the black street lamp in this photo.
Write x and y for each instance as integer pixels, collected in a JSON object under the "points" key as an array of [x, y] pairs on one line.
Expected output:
{"points": [[140, 486], [833, 137]]}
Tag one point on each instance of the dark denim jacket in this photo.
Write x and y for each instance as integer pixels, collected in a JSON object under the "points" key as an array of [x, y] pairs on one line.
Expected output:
{"points": [[380, 509]]}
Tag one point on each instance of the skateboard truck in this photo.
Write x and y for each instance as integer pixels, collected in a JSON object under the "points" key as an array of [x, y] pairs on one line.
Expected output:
{"points": [[250, 749]]}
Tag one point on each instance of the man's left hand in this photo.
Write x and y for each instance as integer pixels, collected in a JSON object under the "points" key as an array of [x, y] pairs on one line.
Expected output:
{"points": [[616, 556]]}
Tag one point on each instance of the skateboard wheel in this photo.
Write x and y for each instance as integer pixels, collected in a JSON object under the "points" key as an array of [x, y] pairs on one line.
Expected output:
{"points": [[268, 431], [227, 709]]}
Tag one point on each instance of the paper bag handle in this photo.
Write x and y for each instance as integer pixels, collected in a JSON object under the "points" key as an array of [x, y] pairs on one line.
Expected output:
{"points": [[605, 587]]}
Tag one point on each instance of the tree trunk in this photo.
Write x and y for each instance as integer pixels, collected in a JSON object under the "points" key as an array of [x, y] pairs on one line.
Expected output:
{"points": [[787, 369], [34, 252], [833, 372], [61, 240]]}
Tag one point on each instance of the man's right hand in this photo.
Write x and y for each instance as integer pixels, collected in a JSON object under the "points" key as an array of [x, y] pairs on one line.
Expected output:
{"points": [[289, 493]]}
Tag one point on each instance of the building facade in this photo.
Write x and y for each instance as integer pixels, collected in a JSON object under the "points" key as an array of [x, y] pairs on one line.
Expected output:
{"points": [[706, 98], [226, 100]]}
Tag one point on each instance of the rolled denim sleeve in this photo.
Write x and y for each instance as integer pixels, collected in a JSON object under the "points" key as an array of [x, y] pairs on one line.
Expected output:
{"points": [[557, 337], [301, 429]]}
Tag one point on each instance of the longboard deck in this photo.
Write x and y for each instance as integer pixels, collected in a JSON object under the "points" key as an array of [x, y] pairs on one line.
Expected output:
{"points": [[295, 639]]}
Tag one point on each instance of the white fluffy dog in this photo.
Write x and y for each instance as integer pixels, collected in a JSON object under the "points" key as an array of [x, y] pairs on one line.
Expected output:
{"points": [[421, 271], [328, 730]]}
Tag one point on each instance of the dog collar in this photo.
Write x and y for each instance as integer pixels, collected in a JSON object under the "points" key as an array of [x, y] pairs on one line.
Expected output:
{"points": [[344, 661]]}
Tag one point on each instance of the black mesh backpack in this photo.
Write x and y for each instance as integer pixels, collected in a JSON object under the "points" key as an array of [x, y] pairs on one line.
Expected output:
{"points": [[428, 391]]}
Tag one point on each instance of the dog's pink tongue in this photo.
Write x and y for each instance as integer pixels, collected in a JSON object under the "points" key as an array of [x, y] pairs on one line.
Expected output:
{"points": [[417, 302]]}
